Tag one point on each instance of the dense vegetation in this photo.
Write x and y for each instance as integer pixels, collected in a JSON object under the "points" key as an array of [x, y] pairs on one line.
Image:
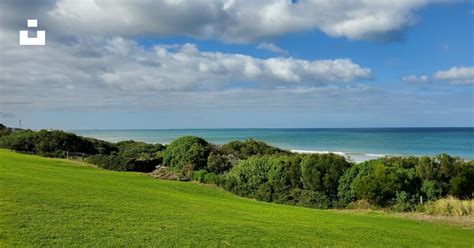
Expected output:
{"points": [[254, 169], [49, 202]]}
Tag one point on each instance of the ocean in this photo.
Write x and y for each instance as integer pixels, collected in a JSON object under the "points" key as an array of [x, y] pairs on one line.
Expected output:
{"points": [[358, 144]]}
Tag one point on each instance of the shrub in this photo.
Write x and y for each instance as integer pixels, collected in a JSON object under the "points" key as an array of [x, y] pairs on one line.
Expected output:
{"points": [[245, 178], [185, 151], [212, 178], [104, 147], [321, 172], [264, 192], [166, 173], [139, 150], [431, 189], [109, 162], [462, 184], [310, 199], [199, 175], [120, 163], [346, 191], [251, 147], [405, 202], [20, 141], [4, 131], [218, 163], [50, 142]]}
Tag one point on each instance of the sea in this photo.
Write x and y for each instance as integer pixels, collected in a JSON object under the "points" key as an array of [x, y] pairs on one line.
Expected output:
{"points": [[357, 144]]}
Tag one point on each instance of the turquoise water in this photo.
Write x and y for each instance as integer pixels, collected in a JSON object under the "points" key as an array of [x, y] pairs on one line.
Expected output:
{"points": [[357, 143]]}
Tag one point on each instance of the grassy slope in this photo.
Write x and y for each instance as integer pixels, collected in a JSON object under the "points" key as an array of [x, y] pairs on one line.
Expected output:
{"points": [[57, 202]]}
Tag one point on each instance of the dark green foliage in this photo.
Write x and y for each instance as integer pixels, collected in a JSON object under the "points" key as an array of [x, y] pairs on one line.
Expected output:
{"points": [[310, 199], [381, 185], [20, 141], [346, 191], [52, 141], [462, 184], [399, 182], [245, 178], [452, 175], [128, 156], [405, 201], [212, 178], [198, 175], [187, 150], [4, 131], [431, 189], [104, 147], [251, 147], [218, 163], [203, 176], [48, 143], [120, 163], [264, 192], [274, 178], [109, 162], [321, 172], [139, 150]]}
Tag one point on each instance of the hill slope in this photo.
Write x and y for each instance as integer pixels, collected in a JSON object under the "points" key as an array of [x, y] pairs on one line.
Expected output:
{"points": [[47, 202]]}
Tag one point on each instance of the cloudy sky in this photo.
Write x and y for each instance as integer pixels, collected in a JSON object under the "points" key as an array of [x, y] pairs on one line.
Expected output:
{"points": [[230, 63]]}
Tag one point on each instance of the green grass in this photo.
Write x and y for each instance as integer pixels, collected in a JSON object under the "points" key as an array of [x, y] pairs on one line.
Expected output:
{"points": [[54, 202]]}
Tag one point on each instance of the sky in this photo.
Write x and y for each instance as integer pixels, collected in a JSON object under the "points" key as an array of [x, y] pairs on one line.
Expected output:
{"points": [[238, 64]]}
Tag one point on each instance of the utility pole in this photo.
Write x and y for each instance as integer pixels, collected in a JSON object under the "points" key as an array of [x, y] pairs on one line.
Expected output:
{"points": [[19, 121]]}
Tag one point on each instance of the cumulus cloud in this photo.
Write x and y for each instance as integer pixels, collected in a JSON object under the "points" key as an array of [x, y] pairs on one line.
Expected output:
{"points": [[456, 75], [272, 48], [229, 20], [109, 68], [415, 79]]}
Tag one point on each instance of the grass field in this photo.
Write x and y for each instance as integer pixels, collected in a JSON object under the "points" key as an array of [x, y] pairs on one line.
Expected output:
{"points": [[54, 202]]}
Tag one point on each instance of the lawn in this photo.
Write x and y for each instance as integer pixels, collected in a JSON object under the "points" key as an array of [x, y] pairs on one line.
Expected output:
{"points": [[55, 202]]}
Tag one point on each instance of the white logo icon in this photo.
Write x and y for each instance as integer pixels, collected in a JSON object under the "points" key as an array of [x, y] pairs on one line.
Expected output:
{"points": [[39, 40]]}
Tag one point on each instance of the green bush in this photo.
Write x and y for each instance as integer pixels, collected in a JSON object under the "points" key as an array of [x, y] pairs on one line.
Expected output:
{"points": [[321, 172], [198, 175], [20, 141], [212, 178], [139, 150], [264, 192], [310, 199], [218, 163], [431, 189], [48, 143], [120, 163], [346, 192], [109, 162], [405, 202], [187, 151], [251, 147], [4, 131]]}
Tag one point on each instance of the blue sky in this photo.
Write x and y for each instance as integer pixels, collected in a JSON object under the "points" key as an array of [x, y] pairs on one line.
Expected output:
{"points": [[412, 64]]}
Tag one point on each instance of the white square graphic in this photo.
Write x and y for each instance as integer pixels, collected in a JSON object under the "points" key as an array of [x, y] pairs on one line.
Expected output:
{"points": [[32, 23]]}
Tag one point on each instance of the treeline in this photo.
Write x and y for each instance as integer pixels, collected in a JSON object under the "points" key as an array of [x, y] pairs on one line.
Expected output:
{"points": [[254, 169], [121, 156]]}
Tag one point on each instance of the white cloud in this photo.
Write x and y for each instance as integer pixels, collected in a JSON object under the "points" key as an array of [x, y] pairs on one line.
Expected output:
{"points": [[272, 48], [456, 75], [116, 70], [415, 79], [229, 20]]}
